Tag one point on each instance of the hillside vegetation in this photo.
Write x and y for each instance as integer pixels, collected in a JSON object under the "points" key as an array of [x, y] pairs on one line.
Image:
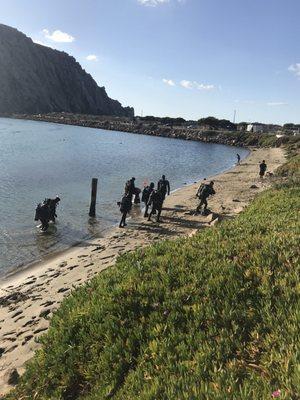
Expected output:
{"points": [[215, 316]]}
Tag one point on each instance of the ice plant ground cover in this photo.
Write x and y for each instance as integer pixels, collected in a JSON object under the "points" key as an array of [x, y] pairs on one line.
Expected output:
{"points": [[215, 316]]}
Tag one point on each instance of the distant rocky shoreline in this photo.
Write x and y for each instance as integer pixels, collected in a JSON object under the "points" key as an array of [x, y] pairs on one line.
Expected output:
{"points": [[230, 138]]}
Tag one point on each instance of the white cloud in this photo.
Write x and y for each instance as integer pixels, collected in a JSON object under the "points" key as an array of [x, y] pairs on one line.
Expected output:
{"points": [[186, 84], [295, 69], [58, 36], [92, 57], [276, 103], [169, 82], [195, 85], [152, 3]]}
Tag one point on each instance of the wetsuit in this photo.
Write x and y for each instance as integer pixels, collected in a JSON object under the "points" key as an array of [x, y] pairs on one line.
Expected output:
{"points": [[206, 191], [145, 198], [125, 207], [262, 169], [156, 199], [164, 187]]}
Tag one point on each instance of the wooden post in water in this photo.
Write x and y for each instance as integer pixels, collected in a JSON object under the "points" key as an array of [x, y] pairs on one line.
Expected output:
{"points": [[92, 212]]}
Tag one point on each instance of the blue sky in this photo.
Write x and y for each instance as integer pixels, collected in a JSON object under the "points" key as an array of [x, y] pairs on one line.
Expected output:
{"points": [[189, 58]]}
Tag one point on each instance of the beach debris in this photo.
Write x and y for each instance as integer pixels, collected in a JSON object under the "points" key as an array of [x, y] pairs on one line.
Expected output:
{"points": [[253, 187]]}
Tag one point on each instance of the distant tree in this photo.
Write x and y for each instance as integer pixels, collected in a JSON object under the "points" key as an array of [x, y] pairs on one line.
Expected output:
{"points": [[289, 126], [215, 123]]}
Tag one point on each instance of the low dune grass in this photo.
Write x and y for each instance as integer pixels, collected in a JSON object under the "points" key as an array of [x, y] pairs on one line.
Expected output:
{"points": [[215, 316]]}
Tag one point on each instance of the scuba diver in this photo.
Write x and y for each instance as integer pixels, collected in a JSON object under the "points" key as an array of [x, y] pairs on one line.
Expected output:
{"points": [[46, 212], [42, 213], [204, 192], [125, 207], [262, 169], [164, 186], [132, 190], [145, 197], [53, 203], [200, 187], [156, 199]]}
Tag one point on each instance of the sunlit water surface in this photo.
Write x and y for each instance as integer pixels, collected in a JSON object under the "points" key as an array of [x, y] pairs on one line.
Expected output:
{"points": [[39, 160]]}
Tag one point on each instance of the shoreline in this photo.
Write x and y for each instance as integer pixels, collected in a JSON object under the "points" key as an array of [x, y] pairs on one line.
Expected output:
{"points": [[51, 257], [27, 301]]}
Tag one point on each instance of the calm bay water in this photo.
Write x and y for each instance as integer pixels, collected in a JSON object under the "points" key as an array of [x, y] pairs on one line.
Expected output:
{"points": [[39, 160]]}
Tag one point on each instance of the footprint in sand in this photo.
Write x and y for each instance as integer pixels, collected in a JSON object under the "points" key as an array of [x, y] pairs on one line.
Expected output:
{"points": [[9, 350], [88, 265], [73, 266], [62, 290], [39, 330], [47, 303], [29, 323], [26, 339], [17, 313], [18, 319]]}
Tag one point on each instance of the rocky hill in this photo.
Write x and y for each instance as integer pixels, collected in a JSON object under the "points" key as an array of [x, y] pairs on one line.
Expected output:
{"points": [[37, 79]]}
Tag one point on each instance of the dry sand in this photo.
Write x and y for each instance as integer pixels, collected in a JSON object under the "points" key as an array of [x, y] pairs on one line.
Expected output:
{"points": [[29, 298]]}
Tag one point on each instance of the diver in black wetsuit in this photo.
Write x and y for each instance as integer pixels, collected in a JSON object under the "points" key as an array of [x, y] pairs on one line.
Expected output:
{"points": [[53, 203], [145, 197], [164, 186], [42, 213], [206, 191], [156, 199], [125, 207]]}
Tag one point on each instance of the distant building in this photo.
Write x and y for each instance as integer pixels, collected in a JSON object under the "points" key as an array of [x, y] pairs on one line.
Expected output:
{"points": [[255, 128]]}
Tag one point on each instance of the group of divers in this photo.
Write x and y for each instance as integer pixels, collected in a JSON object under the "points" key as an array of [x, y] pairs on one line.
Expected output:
{"points": [[152, 197]]}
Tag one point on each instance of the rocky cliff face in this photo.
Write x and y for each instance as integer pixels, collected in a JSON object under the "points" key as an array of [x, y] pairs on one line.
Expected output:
{"points": [[37, 79]]}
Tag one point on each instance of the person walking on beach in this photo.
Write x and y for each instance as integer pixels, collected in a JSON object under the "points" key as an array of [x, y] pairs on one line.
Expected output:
{"points": [[262, 169], [125, 207], [164, 186], [145, 197], [200, 188], [156, 199], [238, 159], [206, 191]]}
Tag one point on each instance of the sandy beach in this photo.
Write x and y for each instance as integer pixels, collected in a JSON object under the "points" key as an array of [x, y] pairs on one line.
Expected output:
{"points": [[29, 298]]}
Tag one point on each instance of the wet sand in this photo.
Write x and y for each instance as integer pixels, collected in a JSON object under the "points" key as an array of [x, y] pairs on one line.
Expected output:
{"points": [[29, 298]]}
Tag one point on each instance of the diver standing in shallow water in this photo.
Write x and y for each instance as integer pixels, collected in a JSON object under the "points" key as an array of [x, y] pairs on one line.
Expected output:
{"points": [[42, 214], [125, 207], [164, 186], [53, 203], [145, 197]]}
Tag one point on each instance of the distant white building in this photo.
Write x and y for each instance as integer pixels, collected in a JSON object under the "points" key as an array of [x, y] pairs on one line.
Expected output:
{"points": [[255, 128]]}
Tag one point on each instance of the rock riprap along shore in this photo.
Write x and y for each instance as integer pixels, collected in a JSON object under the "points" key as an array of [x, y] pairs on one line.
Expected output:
{"points": [[134, 125]]}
